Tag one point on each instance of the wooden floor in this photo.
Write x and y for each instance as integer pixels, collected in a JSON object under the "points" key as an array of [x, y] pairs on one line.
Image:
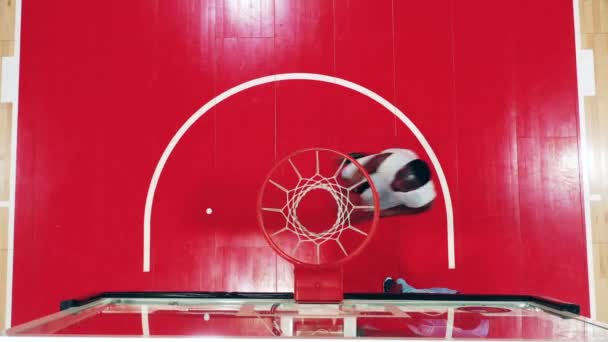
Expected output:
{"points": [[7, 48], [594, 28]]}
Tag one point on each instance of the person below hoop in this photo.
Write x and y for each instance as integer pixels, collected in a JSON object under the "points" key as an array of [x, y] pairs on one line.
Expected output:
{"points": [[402, 180]]}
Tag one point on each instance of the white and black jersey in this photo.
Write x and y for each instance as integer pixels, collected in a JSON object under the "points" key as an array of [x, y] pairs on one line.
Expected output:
{"points": [[385, 174]]}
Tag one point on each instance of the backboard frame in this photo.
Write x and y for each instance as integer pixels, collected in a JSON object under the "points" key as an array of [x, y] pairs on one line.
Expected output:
{"points": [[249, 305], [554, 304]]}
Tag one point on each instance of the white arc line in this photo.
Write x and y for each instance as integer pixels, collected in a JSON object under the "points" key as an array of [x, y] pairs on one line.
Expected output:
{"points": [[303, 77]]}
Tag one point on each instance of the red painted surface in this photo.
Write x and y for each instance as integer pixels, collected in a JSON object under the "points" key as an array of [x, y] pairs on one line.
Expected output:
{"points": [[314, 285], [105, 85]]}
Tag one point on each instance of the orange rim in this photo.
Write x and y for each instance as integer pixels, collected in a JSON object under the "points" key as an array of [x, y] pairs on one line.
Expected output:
{"points": [[340, 261]]}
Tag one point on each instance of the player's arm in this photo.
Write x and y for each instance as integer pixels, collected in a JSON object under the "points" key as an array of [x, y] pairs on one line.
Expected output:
{"points": [[370, 164], [403, 210], [400, 210]]}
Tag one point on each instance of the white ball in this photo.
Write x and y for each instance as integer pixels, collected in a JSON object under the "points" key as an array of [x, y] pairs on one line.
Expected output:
{"points": [[206, 317], [209, 211]]}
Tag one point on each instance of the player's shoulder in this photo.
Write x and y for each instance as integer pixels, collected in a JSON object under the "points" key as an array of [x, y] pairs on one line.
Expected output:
{"points": [[401, 152], [400, 155]]}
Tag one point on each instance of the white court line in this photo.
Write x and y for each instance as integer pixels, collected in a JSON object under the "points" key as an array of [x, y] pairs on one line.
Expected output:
{"points": [[307, 77], [584, 155], [13, 174], [286, 324], [449, 327], [145, 321], [350, 327]]}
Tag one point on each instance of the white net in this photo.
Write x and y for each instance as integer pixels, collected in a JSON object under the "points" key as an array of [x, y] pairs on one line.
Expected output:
{"points": [[341, 194]]}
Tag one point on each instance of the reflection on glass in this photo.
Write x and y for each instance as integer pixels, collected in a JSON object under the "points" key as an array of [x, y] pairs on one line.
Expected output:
{"points": [[352, 318]]}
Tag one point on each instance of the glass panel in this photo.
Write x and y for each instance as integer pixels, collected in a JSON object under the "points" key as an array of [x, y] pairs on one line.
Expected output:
{"points": [[352, 318]]}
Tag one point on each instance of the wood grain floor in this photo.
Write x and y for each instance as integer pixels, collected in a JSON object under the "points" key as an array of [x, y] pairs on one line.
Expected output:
{"points": [[594, 28], [7, 48]]}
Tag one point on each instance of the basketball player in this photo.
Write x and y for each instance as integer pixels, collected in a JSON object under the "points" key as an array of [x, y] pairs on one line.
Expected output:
{"points": [[402, 180]]}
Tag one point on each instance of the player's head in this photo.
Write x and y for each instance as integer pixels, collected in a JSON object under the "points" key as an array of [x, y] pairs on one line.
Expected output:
{"points": [[411, 176], [413, 184]]}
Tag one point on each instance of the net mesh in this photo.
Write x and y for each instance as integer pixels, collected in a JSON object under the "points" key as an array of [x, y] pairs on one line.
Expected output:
{"points": [[341, 192]]}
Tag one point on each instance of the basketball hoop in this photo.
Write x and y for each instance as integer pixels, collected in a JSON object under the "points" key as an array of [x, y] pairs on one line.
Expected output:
{"points": [[301, 236]]}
